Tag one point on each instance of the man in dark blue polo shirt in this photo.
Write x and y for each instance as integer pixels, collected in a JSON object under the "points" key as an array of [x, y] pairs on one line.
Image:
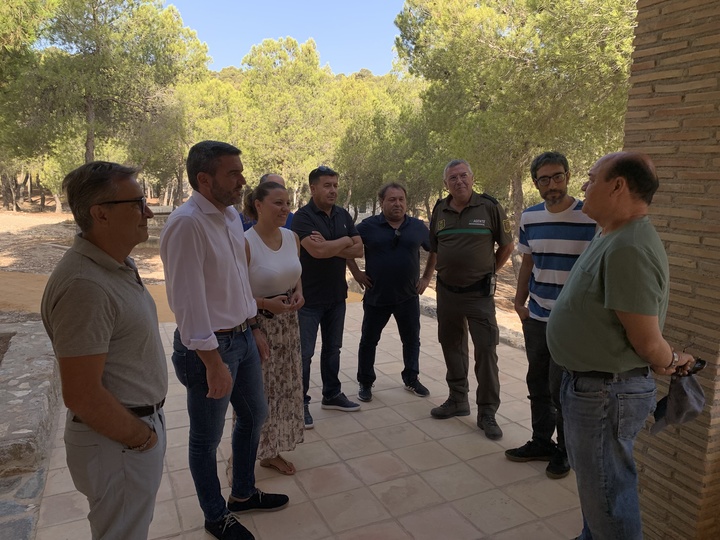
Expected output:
{"points": [[392, 242], [327, 238]]}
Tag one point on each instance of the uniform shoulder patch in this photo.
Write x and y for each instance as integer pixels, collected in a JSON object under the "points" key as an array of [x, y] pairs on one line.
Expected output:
{"points": [[490, 198]]}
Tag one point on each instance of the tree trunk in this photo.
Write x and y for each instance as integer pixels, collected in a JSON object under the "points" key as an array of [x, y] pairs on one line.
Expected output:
{"points": [[428, 210], [58, 203], [42, 200], [90, 134], [179, 193]]}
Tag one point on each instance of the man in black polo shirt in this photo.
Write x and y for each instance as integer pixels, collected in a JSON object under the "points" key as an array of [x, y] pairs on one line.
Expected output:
{"points": [[464, 229], [392, 242], [327, 238]]}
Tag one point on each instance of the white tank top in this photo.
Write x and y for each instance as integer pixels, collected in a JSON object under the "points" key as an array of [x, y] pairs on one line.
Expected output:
{"points": [[273, 272]]}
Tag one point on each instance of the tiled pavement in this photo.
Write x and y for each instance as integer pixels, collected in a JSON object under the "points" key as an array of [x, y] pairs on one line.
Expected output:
{"points": [[387, 472]]}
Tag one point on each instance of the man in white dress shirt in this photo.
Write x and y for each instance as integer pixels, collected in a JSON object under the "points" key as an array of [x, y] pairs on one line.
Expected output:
{"points": [[218, 345]]}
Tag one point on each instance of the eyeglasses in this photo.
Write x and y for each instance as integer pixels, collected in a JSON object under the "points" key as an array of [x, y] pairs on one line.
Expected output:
{"points": [[558, 178], [455, 178], [140, 201], [396, 238]]}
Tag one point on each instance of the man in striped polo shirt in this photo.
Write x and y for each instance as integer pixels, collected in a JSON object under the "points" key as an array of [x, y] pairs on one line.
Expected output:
{"points": [[553, 234]]}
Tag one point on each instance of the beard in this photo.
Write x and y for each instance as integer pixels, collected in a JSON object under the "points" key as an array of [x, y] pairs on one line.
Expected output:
{"points": [[224, 196], [554, 196]]}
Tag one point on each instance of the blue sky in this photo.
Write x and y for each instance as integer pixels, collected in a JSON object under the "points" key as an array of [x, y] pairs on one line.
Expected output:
{"points": [[349, 34]]}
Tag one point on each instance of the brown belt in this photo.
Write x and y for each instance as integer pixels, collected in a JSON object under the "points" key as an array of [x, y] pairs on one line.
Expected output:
{"points": [[239, 328], [140, 412]]}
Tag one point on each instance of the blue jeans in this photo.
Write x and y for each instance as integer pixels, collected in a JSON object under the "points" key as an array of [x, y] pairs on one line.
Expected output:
{"points": [[544, 377], [407, 317], [331, 320], [207, 418], [602, 419]]}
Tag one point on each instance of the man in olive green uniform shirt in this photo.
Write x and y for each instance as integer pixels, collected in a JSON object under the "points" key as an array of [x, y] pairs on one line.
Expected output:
{"points": [[464, 229]]}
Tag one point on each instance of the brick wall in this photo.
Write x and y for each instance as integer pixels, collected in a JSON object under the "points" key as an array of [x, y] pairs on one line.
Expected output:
{"points": [[674, 116]]}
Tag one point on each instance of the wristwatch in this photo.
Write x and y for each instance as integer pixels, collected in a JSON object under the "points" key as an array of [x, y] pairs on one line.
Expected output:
{"points": [[675, 360]]}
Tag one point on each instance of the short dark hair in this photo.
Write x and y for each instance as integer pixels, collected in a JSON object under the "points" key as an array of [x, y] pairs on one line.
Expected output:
{"points": [[390, 185], [203, 157], [639, 172], [322, 170], [547, 158], [90, 184], [258, 194]]}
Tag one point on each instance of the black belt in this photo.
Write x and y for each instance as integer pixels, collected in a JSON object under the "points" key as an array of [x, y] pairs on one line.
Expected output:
{"points": [[140, 412], [486, 286], [637, 372], [239, 328]]}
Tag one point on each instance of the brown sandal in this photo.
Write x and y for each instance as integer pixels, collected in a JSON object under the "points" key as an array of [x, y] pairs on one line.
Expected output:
{"points": [[286, 468]]}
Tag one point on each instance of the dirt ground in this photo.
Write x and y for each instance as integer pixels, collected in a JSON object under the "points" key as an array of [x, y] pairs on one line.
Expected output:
{"points": [[32, 243]]}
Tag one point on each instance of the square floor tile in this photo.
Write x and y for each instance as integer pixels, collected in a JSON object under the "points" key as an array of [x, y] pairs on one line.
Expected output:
{"points": [[165, 520], [440, 522], [380, 417], [493, 511], [356, 445], [351, 509], [407, 494], [456, 481], [301, 521], [63, 508], [400, 435], [307, 456], [471, 445], [536, 530], [542, 495], [378, 467], [388, 530], [439, 429], [338, 426], [329, 479], [500, 470], [67, 531], [426, 456]]}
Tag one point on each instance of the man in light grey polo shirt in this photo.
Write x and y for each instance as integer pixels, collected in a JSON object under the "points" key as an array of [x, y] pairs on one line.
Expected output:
{"points": [[103, 326]]}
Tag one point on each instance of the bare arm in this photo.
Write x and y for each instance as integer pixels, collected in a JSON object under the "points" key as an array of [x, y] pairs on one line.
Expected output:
{"points": [[320, 248], [360, 276], [85, 395], [523, 286], [427, 274], [354, 251], [502, 255], [643, 332]]}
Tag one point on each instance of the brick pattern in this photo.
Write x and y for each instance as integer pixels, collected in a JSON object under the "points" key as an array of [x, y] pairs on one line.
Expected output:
{"points": [[674, 116]]}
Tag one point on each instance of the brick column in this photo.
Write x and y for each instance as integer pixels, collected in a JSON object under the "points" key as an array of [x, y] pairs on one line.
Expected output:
{"points": [[674, 116]]}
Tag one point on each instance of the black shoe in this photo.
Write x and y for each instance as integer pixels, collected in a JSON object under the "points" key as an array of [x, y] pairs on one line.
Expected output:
{"points": [[488, 424], [558, 466], [309, 424], [228, 528], [531, 451], [259, 501], [451, 408], [365, 392], [340, 403], [417, 388]]}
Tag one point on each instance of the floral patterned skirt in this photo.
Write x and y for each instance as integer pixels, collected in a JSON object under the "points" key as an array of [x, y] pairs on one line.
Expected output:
{"points": [[282, 378]]}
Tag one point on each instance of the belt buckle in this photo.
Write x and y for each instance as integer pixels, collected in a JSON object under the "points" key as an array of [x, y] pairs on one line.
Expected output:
{"points": [[242, 326]]}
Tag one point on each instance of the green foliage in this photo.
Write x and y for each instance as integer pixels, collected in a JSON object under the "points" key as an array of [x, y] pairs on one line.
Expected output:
{"points": [[495, 82], [511, 78]]}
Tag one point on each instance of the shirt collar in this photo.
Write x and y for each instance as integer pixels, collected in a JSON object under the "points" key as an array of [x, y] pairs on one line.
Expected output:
{"points": [[209, 208], [316, 210], [98, 256]]}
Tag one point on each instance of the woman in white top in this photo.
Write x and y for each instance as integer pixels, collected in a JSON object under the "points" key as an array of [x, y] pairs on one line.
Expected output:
{"points": [[274, 268]]}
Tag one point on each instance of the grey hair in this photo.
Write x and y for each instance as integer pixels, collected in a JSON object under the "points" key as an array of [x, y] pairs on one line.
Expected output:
{"points": [[455, 163], [91, 184]]}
